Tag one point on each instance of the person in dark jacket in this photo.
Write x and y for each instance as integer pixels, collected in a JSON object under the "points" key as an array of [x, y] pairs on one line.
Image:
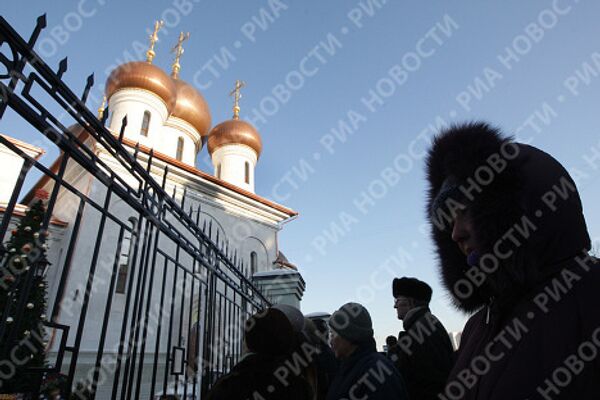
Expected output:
{"points": [[324, 361], [391, 347], [425, 351], [513, 250], [364, 373], [273, 367]]}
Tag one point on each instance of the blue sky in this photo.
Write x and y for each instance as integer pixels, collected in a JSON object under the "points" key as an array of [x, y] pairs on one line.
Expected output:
{"points": [[391, 72]]}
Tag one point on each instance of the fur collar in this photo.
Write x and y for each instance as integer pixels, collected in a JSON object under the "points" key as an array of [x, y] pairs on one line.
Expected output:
{"points": [[549, 232]]}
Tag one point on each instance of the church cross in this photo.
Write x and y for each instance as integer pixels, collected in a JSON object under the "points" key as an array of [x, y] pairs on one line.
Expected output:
{"points": [[236, 98], [153, 39], [178, 50]]}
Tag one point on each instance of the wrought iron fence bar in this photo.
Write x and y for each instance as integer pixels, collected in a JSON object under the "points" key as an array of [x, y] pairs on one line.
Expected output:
{"points": [[159, 327], [10, 207], [206, 350], [207, 264], [134, 326], [147, 313], [171, 316], [55, 189], [107, 310], [68, 260], [88, 291], [137, 226], [198, 364], [192, 298]]}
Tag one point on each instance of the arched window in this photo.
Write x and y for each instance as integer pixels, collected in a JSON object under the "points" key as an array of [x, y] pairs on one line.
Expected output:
{"points": [[145, 123], [122, 278], [179, 154], [123, 270], [253, 262], [247, 171]]}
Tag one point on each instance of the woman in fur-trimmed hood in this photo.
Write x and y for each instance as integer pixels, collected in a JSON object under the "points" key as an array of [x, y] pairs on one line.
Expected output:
{"points": [[512, 247]]}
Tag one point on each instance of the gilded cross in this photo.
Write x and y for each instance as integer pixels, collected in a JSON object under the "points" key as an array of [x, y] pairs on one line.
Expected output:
{"points": [[236, 98], [153, 39], [178, 50]]}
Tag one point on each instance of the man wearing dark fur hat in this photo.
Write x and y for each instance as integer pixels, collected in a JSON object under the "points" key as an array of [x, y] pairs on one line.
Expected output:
{"points": [[508, 226], [425, 351]]}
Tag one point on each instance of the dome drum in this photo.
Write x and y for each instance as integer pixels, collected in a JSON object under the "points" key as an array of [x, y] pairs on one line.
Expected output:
{"points": [[234, 131]]}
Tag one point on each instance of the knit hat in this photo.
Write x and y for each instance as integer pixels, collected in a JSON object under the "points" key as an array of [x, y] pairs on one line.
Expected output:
{"points": [[293, 315], [411, 287], [352, 322]]}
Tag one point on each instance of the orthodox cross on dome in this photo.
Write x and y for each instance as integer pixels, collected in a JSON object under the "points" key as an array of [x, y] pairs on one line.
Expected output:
{"points": [[102, 108], [236, 98], [178, 50], [153, 39]]}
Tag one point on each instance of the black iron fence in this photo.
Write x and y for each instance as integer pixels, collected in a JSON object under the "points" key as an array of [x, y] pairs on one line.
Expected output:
{"points": [[144, 299]]}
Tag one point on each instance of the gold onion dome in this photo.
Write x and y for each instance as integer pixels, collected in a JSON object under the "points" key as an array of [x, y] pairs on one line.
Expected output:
{"points": [[235, 131], [191, 107], [143, 75]]}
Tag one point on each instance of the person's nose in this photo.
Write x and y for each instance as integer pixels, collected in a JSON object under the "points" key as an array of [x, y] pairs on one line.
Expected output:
{"points": [[459, 233]]}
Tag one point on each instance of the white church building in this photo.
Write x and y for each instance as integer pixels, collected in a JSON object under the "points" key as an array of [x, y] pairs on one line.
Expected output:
{"points": [[168, 124]]}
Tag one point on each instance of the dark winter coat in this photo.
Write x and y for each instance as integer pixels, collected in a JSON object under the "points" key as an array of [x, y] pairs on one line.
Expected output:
{"points": [[327, 367], [367, 375], [254, 377], [537, 322], [425, 356]]}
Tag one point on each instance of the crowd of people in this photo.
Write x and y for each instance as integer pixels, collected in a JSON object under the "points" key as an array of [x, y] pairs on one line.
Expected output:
{"points": [[513, 251]]}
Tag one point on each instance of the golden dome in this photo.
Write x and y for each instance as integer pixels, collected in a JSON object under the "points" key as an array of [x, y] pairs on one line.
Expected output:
{"points": [[143, 75], [191, 107], [234, 131]]}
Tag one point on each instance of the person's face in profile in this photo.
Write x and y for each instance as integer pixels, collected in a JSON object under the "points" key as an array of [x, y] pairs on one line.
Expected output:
{"points": [[463, 233], [340, 346], [402, 305]]}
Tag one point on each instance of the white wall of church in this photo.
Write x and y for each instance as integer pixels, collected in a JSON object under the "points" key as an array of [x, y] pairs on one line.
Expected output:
{"points": [[134, 102]]}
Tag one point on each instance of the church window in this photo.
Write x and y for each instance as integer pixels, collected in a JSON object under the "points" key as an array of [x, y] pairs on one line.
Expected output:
{"points": [[247, 172], [179, 154], [253, 262], [122, 278], [145, 123], [121, 283]]}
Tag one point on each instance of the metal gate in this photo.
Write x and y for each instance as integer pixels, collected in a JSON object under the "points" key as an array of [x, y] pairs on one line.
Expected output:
{"points": [[179, 319]]}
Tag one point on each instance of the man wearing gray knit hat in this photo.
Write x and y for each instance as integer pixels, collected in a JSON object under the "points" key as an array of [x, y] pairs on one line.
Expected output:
{"points": [[361, 369]]}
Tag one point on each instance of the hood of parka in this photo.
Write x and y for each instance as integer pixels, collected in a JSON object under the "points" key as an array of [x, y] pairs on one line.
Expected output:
{"points": [[525, 208]]}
